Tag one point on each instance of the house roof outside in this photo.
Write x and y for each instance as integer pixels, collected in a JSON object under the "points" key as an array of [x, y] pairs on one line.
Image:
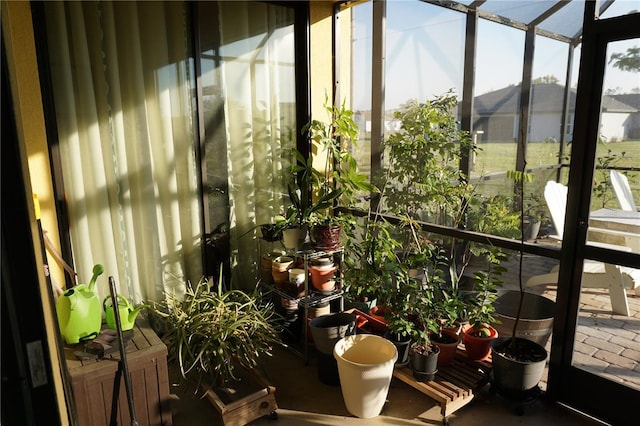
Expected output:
{"points": [[546, 98]]}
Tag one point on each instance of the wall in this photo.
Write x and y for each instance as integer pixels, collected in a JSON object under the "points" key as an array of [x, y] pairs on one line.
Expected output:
{"points": [[23, 72]]}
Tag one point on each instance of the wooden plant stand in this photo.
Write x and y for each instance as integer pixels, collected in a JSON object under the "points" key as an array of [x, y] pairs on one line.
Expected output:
{"points": [[248, 404], [454, 385]]}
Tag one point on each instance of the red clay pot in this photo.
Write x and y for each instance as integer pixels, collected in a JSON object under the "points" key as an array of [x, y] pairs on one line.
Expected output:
{"points": [[478, 348], [447, 349]]}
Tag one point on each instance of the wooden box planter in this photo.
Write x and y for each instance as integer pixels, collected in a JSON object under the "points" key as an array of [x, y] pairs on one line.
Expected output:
{"points": [[93, 381], [250, 398]]}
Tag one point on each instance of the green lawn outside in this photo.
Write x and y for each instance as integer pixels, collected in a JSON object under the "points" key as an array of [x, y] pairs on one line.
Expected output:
{"points": [[495, 158]]}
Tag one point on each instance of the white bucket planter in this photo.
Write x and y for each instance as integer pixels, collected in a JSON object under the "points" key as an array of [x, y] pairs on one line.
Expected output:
{"points": [[291, 238], [365, 366]]}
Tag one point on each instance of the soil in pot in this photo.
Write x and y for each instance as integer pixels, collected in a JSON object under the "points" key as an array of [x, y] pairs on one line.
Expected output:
{"points": [[517, 368]]}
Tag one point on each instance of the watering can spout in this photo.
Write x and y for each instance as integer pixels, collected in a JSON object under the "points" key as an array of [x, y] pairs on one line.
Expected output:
{"points": [[134, 313]]}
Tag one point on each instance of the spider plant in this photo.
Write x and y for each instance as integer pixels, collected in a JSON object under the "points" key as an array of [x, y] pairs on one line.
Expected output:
{"points": [[211, 332]]}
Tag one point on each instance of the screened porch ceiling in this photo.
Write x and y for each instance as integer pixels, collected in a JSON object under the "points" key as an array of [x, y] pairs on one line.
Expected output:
{"points": [[560, 20]]}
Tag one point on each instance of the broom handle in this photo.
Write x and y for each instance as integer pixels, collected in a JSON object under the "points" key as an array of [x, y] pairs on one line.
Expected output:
{"points": [[123, 355]]}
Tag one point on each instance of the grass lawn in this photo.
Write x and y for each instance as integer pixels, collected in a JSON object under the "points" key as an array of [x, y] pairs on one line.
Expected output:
{"points": [[495, 158]]}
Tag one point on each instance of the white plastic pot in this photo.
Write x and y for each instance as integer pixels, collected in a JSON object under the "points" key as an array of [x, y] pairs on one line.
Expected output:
{"points": [[365, 366]]}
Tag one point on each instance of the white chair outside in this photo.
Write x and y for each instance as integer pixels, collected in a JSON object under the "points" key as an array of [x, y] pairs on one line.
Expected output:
{"points": [[595, 274], [623, 192]]}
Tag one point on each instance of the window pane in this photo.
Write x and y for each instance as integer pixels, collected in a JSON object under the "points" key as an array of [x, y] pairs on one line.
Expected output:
{"points": [[248, 79], [355, 68], [496, 97], [547, 102], [608, 301], [424, 52]]}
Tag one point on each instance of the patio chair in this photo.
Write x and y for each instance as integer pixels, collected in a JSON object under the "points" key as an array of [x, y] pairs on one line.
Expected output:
{"points": [[622, 189], [595, 274]]}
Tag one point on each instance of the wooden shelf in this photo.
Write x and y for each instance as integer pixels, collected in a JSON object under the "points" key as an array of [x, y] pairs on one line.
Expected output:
{"points": [[454, 385]]}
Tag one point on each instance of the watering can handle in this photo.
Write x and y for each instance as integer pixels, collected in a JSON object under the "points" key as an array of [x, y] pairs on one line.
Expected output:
{"points": [[104, 302]]}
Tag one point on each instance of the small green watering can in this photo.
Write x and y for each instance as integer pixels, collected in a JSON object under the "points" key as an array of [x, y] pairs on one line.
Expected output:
{"points": [[127, 312]]}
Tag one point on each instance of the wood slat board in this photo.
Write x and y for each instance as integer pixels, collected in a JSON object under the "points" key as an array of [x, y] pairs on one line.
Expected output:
{"points": [[454, 385]]}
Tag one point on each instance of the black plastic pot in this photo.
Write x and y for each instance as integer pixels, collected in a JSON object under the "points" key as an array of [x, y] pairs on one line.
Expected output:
{"points": [[402, 344], [516, 377], [424, 367], [328, 329]]}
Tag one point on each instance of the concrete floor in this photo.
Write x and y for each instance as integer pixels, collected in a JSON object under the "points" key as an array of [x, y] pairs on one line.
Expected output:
{"points": [[304, 400]]}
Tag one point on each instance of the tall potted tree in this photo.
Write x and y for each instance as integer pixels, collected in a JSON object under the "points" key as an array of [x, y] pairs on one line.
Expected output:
{"points": [[518, 363]]}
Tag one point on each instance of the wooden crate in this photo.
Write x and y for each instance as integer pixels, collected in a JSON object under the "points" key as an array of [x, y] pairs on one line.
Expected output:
{"points": [[93, 381], [253, 397], [454, 385]]}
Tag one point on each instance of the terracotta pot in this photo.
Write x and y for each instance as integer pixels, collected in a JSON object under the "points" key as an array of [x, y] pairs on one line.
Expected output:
{"points": [[448, 347], [455, 328], [320, 275], [282, 264], [280, 271], [478, 348], [378, 312]]}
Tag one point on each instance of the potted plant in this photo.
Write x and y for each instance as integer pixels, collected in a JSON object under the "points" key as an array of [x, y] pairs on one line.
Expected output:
{"points": [[211, 333], [370, 258], [518, 363], [400, 333], [478, 334], [339, 182], [424, 352]]}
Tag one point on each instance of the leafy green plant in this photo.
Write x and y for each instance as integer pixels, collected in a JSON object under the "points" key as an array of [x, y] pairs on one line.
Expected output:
{"points": [[481, 307], [340, 180], [371, 261], [210, 333], [602, 181], [423, 176]]}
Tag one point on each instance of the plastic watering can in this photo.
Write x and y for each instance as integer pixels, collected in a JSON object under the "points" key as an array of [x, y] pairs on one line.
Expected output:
{"points": [[78, 311], [127, 312]]}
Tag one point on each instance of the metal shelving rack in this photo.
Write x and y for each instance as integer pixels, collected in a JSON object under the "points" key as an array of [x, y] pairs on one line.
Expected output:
{"points": [[313, 297]]}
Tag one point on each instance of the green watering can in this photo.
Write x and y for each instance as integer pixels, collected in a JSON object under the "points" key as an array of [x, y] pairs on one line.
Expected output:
{"points": [[127, 312], [78, 311]]}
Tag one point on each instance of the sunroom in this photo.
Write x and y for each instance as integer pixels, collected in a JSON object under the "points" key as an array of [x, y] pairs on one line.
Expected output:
{"points": [[160, 136]]}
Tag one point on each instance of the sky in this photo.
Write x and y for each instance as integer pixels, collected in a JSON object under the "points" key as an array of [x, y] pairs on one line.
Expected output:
{"points": [[425, 53]]}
